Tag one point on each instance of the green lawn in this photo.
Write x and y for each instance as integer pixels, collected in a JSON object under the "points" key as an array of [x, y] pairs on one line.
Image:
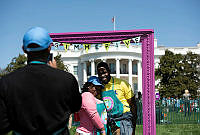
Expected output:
{"points": [[173, 129], [166, 129]]}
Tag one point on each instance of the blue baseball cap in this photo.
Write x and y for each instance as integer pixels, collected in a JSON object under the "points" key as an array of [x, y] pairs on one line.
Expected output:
{"points": [[39, 36], [95, 81]]}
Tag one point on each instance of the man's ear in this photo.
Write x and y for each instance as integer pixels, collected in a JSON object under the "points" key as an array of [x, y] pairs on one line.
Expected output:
{"points": [[24, 49], [49, 48]]}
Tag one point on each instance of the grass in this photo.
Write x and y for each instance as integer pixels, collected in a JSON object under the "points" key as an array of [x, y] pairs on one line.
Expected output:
{"points": [[166, 129], [173, 129]]}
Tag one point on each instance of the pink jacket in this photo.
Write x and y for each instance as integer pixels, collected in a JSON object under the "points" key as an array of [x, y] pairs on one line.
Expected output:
{"points": [[89, 117]]}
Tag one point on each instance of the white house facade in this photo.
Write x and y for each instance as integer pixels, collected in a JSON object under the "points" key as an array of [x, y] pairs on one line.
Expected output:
{"points": [[125, 63]]}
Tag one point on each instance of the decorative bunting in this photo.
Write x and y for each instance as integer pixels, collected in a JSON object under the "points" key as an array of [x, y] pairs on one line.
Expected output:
{"points": [[77, 46], [66, 46], [56, 44], [127, 42], [136, 39], [116, 44], [106, 45], [96, 46], [87, 47]]}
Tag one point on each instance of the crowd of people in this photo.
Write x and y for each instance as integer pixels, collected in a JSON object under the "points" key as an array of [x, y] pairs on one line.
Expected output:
{"points": [[180, 104], [39, 99]]}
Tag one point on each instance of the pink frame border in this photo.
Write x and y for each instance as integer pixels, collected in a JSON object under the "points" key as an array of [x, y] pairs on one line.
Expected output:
{"points": [[148, 81]]}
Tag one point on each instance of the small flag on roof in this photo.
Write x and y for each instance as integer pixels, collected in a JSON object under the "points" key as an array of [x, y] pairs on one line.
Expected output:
{"points": [[113, 19]]}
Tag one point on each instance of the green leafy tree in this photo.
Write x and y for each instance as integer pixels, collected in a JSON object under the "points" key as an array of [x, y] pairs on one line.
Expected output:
{"points": [[2, 72], [176, 73], [191, 75], [20, 61], [60, 64], [168, 74], [16, 62]]}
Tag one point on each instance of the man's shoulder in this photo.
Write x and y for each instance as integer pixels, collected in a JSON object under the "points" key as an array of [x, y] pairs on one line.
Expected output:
{"points": [[62, 73], [15, 73], [120, 81], [44, 69]]}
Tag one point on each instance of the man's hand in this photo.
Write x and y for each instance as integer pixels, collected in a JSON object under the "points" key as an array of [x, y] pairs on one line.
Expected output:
{"points": [[133, 105], [103, 132], [53, 63]]}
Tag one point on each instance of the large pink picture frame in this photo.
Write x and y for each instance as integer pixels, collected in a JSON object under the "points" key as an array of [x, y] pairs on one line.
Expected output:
{"points": [[148, 81]]}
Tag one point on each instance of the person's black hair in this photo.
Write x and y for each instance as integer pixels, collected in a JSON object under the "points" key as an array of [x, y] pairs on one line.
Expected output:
{"points": [[139, 95], [85, 87], [37, 55], [103, 64]]}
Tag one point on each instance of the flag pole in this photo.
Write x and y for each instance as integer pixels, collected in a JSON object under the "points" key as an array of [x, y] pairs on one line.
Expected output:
{"points": [[114, 23]]}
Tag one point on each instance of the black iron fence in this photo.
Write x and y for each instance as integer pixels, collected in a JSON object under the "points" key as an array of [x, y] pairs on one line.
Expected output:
{"points": [[174, 111]]}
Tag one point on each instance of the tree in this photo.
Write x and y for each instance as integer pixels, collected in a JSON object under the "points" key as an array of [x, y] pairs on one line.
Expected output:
{"points": [[20, 61], [191, 74], [177, 73], [60, 64], [16, 62], [2, 72], [168, 74]]}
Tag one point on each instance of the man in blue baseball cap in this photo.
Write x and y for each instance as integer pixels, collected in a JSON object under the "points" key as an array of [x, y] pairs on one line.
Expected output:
{"points": [[36, 39], [38, 99]]}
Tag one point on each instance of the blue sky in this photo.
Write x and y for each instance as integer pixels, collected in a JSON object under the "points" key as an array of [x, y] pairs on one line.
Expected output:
{"points": [[175, 22]]}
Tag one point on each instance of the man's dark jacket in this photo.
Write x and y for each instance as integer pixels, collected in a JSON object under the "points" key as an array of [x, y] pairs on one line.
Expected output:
{"points": [[37, 99]]}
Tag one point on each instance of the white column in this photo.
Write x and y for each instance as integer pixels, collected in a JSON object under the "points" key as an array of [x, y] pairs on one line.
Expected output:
{"points": [[130, 67], [117, 68], [139, 68], [84, 72], [92, 67]]}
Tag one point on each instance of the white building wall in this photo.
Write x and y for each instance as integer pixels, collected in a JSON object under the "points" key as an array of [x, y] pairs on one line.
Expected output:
{"points": [[74, 57]]}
